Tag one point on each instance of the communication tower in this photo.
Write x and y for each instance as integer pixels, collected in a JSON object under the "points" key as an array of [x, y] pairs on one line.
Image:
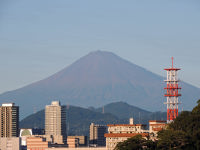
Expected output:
{"points": [[172, 92]]}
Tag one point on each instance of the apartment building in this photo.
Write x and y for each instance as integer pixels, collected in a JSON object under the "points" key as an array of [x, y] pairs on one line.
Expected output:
{"points": [[55, 122], [9, 120]]}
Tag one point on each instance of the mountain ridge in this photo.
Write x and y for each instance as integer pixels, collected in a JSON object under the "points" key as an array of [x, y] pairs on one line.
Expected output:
{"points": [[78, 119]]}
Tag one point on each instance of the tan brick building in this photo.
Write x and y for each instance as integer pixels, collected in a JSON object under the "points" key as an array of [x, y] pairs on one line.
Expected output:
{"points": [[82, 139], [72, 142], [55, 122], [36, 143], [9, 120]]}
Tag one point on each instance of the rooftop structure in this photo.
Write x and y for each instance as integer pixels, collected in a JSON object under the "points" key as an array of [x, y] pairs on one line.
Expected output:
{"points": [[8, 104]]}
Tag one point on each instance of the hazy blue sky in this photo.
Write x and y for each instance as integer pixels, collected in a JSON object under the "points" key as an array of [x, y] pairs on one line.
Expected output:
{"points": [[40, 37]]}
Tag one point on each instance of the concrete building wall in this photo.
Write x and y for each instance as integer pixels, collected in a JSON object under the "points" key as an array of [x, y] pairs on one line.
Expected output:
{"points": [[112, 139], [111, 142], [82, 140], [51, 139], [72, 142], [10, 143], [126, 128]]}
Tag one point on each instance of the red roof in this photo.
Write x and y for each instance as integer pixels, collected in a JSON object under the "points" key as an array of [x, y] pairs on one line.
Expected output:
{"points": [[158, 124], [157, 121], [125, 134], [111, 125], [157, 129]]}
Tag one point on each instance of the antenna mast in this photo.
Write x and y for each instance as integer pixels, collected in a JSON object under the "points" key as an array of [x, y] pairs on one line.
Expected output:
{"points": [[172, 92]]}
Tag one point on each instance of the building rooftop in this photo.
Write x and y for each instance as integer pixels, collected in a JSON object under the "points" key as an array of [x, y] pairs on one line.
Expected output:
{"points": [[158, 121], [157, 129], [125, 134], [8, 104], [55, 103], [110, 125]]}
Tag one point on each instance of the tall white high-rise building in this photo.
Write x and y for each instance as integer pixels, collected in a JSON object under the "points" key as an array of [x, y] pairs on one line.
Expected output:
{"points": [[55, 122]]}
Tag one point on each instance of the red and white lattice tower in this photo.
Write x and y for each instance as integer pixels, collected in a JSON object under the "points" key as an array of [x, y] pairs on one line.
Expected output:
{"points": [[172, 92]]}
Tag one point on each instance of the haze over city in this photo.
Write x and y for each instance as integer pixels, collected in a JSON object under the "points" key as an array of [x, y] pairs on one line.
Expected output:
{"points": [[39, 38]]}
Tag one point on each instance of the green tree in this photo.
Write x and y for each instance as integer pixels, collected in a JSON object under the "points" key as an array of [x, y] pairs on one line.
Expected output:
{"points": [[171, 139], [196, 110], [183, 132], [136, 143]]}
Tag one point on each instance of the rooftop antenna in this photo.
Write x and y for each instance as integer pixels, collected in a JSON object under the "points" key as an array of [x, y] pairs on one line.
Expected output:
{"points": [[68, 117], [68, 128], [139, 117], [67, 106], [34, 109], [34, 112]]}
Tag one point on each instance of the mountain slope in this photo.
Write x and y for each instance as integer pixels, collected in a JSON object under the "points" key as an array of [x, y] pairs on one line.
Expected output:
{"points": [[97, 79], [79, 119], [125, 111]]}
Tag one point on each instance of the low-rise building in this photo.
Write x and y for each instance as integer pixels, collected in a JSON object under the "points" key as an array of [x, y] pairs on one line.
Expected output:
{"points": [[10, 143], [121, 132], [113, 138], [82, 139], [155, 126], [72, 142], [36, 143]]}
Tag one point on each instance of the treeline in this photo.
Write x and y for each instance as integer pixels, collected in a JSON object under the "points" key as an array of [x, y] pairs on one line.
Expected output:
{"points": [[182, 133]]}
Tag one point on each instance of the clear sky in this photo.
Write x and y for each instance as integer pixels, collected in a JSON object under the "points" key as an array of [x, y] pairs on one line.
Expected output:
{"points": [[41, 37]]}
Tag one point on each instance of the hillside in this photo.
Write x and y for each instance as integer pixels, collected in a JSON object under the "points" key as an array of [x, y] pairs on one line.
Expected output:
{"points": [[125, 111], [79, 119], [97, 79]]}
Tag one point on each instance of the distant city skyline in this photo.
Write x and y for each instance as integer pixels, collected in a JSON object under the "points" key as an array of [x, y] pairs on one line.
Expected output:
{"points": [[39, 38]]}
